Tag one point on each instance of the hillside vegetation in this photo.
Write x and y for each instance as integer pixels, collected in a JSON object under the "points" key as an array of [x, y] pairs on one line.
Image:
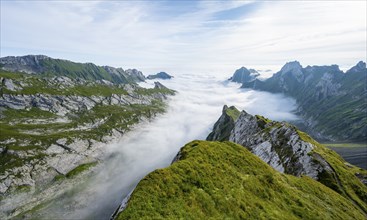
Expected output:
{"points": [[223, 180]]}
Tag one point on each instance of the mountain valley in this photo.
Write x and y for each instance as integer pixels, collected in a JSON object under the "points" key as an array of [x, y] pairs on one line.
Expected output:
{"points": [[76, 139]]}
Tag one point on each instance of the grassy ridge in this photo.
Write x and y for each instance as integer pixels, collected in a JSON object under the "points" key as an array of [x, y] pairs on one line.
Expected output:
{"points": [[88, 71], [225, 181]]}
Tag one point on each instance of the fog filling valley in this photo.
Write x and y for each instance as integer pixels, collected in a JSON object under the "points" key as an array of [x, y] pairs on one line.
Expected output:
{"points": [[151, 145]]}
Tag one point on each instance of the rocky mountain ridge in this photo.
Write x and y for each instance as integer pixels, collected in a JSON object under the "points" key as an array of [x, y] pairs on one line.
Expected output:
{"points": [[47, 66], [289, 150], [333, 104]]}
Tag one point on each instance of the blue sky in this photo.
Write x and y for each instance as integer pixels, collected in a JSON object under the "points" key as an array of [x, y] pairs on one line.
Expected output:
{"points": [[178, 36]]}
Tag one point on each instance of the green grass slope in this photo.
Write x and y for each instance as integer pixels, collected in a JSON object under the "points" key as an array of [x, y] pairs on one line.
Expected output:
{"points": [[344, 180], [223, 180]]}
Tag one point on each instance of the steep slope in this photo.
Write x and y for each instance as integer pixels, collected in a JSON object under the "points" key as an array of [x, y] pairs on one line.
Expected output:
{"points": [[243, 75], [291, 151], [333, 103], [223, 180], [53, 128], [223, 127], [46, 66], [160, 75]]}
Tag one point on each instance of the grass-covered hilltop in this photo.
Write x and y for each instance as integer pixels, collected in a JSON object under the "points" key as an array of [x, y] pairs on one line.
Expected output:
{"points": [[56, 117], [332, 103], [261, 169], [223, 180]]}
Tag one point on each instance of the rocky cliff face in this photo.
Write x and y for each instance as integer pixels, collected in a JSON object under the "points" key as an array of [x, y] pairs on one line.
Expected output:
{"points": [[276, 143], [243, 75], [28, 64], [43, 65], [331, 102], [291, 151], [279, 145], [223, 127]]}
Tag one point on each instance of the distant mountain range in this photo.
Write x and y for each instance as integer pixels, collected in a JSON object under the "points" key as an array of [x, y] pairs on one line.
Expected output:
{"points": [[333, 104], [47, 66]]}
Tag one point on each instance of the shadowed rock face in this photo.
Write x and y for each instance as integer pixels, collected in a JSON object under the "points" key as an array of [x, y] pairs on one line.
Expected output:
{"points": [[223, 127], [243, 75], [27, 64]]}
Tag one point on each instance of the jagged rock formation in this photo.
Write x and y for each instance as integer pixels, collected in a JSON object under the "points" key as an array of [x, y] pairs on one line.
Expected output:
{"points": [[243, 75], [291, 151], [43, 65], [160, 75], [223, 180], [223, 127], [332, 103]]}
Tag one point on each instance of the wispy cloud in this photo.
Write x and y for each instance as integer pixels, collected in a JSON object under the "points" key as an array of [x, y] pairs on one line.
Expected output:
{"points": [[216, 36]]}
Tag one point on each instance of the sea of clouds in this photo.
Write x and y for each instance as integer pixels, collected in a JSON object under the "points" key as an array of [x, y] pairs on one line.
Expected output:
{"points": [[151, 145]]}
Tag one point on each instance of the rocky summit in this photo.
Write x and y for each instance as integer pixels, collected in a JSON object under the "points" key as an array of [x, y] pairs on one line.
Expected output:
{"points": [[291, 151], [160, 75], [243, 75], [332, 104]]}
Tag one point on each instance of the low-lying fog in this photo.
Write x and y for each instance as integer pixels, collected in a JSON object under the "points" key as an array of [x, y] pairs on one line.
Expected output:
{"points": [[190, 115]]}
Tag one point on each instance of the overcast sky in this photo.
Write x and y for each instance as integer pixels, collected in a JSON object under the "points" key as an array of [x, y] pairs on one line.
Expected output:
{"points": [[179, 36]]}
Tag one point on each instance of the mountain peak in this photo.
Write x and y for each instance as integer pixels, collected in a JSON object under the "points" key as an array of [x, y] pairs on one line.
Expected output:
{"points": [[288, 150], [243, 75], [160, 75], [225, 124], [359, 67], [291, 66]]}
